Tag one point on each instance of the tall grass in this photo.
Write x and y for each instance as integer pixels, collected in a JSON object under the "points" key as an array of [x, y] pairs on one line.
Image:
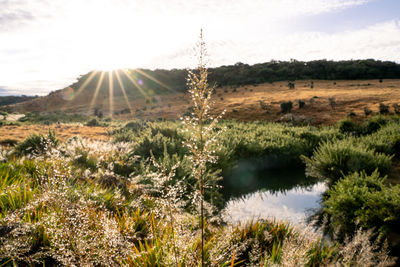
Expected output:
{"points": [[201, 127]]}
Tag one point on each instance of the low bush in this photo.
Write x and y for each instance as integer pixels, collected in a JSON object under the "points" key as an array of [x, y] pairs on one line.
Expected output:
{"points": [[301, 103], [367, 111], [37, 144], [93, 122], [385, 140], [335, 159], [362, 200], [383, 109], [347, 126], [286, 107]]}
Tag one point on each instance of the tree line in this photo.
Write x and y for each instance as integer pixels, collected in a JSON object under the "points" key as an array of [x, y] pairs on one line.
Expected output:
{"points": [[239, 74]]}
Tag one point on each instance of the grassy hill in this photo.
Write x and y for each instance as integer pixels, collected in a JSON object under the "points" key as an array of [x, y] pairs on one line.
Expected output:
{"points": [[324, 102], [327, 91]]}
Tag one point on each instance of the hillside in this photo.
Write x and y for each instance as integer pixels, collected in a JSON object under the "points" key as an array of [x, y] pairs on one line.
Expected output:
{"points": [[244, 103], [247, 92]]}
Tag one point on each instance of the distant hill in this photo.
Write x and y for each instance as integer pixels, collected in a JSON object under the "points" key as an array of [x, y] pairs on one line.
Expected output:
{"points": [[8, 100], [243, 74], [162, 93]]}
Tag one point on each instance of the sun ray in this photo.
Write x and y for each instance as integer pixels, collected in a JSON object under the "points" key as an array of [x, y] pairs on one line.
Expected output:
{"points": [[111, 93], [80, 89], [123, 90], [136, 84], [154, 79], [96, 92], [83, 86]]}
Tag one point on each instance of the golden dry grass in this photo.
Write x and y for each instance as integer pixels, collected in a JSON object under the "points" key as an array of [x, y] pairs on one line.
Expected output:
{"points": [[243, 103], [63, 131]]}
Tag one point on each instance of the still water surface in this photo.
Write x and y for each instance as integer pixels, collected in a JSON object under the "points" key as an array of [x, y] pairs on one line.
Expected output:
{"points": [[284, 194]]}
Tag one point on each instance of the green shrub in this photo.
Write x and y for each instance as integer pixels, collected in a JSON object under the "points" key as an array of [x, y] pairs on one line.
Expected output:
{"points": [[93, 122], [286, 107], [334, 159], [374, 124], [362, 200], [347, 126], [383, 109], [301, 103], [37, 144], [385, 140], [135, 125]]}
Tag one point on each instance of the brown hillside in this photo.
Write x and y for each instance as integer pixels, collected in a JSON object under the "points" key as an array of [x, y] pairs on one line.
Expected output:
{"points": [[245, 103]]}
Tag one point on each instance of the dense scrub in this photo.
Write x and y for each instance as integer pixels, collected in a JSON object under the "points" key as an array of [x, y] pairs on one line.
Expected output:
{"points": [[272, 144], [71, 204], [362, 200], [358, 193]]}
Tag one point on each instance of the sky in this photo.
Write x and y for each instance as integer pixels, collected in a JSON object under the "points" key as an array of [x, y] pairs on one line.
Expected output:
{"points": [[45, 45]]}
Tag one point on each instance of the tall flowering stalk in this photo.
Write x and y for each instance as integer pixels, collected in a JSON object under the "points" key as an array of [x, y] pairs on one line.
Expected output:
{"points": [[201, 127]]}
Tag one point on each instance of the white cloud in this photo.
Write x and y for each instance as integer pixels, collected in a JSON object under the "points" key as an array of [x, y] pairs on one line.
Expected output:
{"points": [[380, 41]]}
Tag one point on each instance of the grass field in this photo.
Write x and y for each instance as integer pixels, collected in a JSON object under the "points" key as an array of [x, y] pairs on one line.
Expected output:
{"points": [[63, 131], [104, 178]]}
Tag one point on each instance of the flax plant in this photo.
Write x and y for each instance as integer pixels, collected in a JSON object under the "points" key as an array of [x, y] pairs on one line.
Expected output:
{"points": [[201, 127]]}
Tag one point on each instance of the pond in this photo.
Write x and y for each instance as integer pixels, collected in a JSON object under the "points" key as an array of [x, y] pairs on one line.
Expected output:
{"points": [[284, 194]]}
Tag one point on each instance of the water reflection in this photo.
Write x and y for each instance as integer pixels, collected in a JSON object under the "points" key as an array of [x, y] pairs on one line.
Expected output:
{"points": [[286, 194], [292, 205]]}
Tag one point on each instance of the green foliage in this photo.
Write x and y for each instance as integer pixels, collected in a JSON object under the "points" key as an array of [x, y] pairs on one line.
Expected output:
{"points": [[347, 126], [362, 200], [37, 144], [372, 125], [334, 159], [93, 122], [385, 140]]}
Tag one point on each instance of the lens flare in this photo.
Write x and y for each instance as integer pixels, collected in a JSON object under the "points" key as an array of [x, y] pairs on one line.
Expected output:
{"points": [[68, 94]]}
